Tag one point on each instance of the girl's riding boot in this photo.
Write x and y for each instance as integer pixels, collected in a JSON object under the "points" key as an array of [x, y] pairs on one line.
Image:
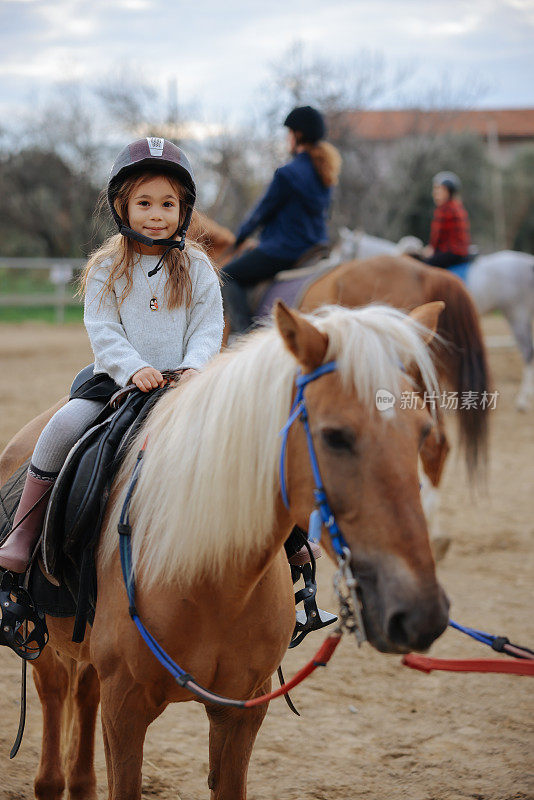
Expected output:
{"points": [[296, 551], [16, 551], [302, 556]]}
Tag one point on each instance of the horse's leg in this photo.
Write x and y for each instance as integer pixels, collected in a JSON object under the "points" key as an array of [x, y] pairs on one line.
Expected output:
{"points": [[232, 735], [51, 678], [23, 443], [126, 715], [521, 324], [81, 776], [107, 755], [433, 456], [526, 391]]}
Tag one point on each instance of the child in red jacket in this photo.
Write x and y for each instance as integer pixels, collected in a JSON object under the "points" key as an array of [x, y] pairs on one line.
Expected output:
{"points": [[449, 236]]}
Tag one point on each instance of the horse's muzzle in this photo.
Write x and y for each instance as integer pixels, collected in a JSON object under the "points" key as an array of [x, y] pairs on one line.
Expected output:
{"points": [[402, 611]]}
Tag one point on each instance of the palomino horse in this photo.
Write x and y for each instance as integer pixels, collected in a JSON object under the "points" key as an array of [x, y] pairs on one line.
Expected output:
{"points": [[208, 522], [502, 281]]}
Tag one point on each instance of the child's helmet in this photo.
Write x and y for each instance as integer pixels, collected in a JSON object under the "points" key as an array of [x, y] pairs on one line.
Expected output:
{"points": [[159, 154], [307, 121], [450, 180]]}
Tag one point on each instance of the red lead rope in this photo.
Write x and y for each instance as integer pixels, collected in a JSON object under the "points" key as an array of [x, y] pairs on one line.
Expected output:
{"points": [[513, 666], [320, 659]]}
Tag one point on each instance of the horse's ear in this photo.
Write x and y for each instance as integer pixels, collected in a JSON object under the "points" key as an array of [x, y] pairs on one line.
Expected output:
{"points": [[307, 344], [428, 315]]}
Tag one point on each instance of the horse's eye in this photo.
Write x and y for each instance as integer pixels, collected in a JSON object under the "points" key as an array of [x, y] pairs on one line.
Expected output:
{"points": [[425, 433], [342, 440]]}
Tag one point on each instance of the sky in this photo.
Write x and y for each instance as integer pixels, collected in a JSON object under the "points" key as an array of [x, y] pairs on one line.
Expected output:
{"points": [[220, 53]]}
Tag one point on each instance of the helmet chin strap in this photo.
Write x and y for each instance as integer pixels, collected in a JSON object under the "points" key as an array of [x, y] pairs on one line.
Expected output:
{"points": [[169, 244]]}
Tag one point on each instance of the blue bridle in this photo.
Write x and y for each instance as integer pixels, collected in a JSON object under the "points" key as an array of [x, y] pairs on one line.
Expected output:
{"points": [[323, 514]]}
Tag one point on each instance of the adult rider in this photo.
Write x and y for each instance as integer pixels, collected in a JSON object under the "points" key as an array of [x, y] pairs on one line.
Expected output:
{"points": [[292, 214]]}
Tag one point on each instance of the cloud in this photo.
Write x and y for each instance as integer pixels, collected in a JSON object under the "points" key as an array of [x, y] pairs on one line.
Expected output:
{"points": [[220, 53], [444, 28], [65, 20], [134, 5]]}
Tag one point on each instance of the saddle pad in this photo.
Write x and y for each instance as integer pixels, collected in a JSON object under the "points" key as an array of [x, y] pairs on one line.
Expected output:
{"points": [[292, 288], [461, 270], [10, 494]]}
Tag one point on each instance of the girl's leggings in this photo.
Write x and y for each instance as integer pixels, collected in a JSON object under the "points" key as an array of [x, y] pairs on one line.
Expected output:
{"points": [[61, 434]]}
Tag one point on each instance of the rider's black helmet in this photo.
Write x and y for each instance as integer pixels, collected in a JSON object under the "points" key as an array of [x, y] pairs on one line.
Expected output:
{"points": [[163, 157], [307, 121], [450, 180]]}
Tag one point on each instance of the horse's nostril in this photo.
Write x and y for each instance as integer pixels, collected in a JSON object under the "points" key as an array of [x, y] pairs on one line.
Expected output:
{"points": [[396, 628], [416, 629]]}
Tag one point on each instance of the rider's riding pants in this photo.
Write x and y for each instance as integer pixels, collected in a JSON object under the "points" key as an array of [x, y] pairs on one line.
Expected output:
{"points": [[242, 273]]}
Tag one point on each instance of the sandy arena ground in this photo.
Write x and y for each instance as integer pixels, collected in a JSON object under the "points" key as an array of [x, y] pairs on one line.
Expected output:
{"points": [[370, 728]]}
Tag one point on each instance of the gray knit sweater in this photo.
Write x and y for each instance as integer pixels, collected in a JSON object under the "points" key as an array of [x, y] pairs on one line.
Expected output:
{"points": [[126, 338]]}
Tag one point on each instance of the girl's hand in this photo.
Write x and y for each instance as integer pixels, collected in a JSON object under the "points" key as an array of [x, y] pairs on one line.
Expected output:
{"points": [[147, 378]]}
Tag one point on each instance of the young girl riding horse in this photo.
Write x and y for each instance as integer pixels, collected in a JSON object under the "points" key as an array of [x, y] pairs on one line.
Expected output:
{"points": [[152, 303]]}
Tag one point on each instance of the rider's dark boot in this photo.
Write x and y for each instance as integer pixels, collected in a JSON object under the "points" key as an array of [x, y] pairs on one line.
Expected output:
{"points": [[296, 551], [16, 551]]}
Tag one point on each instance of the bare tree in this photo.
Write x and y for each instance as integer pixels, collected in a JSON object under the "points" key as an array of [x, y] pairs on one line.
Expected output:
{"points": [[519, 200]]}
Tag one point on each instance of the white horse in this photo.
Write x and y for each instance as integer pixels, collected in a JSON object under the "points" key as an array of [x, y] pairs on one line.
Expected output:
{"points": [[502, 281]]}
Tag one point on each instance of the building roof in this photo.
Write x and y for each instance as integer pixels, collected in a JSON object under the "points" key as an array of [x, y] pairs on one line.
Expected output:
{"points": [[510, 124]]}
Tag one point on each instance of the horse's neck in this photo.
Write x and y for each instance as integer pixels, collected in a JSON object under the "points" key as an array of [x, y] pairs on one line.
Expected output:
{"points": [[263, 579], [248, 577]]}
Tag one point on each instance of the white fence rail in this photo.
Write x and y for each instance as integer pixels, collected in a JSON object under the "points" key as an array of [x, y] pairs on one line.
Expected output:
{"points": [[61, 272]]}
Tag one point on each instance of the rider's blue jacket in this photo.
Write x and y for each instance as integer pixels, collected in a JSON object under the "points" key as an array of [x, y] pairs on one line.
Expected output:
{"points": [[293, 212]]}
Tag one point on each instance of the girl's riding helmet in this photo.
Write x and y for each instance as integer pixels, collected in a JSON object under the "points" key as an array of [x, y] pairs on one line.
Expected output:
{"points": [[450, 180], [307, 121], [162, 156]]}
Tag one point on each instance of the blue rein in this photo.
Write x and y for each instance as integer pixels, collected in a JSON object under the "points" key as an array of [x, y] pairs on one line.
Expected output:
{"points": [[323, 514]]}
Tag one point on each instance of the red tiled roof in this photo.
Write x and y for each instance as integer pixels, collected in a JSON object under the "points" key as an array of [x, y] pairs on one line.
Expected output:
{"points": [[510, 124]]}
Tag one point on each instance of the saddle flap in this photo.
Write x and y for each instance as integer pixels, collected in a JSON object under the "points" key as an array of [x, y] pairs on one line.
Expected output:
{"points": [[79, 497]]}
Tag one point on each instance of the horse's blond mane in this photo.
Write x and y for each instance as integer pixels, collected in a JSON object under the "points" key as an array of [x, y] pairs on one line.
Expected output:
{"points": [[206, 493]]}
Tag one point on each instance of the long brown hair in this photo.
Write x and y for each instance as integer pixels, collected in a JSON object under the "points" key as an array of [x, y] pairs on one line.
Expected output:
{"points": [[124, 255], [326, 159]]}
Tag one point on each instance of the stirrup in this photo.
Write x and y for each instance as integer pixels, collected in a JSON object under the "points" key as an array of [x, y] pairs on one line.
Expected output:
{"points": [[311, 618], [321, 620], [22, 626]]}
